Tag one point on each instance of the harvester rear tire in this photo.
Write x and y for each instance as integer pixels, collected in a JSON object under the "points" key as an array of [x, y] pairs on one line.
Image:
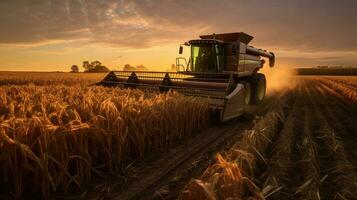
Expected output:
{"points": [[258, 84], [247, 93]]}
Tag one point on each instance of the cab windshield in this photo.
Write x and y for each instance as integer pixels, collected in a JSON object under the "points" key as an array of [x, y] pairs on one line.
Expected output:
{"points": [[203, 58]]}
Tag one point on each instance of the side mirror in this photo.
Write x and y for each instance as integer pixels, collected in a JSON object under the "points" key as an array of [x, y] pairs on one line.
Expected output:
{"points": [[181, 50]]}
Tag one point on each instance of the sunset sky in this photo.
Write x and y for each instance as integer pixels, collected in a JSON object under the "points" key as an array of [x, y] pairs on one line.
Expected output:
{"points": [[51, 35]]}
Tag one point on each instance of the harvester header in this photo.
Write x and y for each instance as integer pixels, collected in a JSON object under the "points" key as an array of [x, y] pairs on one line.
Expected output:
{"points": [[222, 67]]}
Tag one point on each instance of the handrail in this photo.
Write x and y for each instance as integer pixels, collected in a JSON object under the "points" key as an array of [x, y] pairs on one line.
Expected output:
{"points": [[178, 64]]}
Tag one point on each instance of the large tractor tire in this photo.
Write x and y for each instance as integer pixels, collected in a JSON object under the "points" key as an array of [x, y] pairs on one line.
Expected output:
{"points": [[247, 93], [258, 84]]}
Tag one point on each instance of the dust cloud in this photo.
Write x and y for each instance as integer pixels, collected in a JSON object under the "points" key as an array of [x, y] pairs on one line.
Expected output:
{"points": [[279, 78]]}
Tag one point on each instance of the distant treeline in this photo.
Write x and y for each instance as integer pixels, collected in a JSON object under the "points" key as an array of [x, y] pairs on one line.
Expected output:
{"points": [[327, 71]]}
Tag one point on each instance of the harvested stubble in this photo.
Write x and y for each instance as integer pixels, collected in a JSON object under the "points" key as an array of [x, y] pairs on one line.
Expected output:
{"points": [[232, 174], [282, 166], [55, 137], [318, 167], [348, 91], [348, 81], [310, 168], [339, 176]]}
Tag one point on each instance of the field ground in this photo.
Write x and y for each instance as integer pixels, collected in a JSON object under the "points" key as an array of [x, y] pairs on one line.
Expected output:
{"points": [[299, 144]]}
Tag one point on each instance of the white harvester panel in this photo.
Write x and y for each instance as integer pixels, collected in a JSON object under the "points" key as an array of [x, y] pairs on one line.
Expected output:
{"points": [[235, 105]]}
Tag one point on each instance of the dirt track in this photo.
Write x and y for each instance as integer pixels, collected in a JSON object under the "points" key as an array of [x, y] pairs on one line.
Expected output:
{"points": [[313, 156]]}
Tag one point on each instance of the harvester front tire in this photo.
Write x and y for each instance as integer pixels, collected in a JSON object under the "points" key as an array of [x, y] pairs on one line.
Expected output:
{"points": [[247, 93], [258, 84]]}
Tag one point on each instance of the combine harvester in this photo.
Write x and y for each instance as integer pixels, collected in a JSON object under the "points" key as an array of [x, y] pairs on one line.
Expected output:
{"points": [[222, 67]]}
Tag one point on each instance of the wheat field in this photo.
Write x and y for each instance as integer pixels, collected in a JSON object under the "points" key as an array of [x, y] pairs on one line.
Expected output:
{"points": [[58, 134], [58, 137], [49, 78]]}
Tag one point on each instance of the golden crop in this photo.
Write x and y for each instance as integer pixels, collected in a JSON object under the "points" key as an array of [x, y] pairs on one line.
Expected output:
{"points": [[55, 137], [49, 78], [344, 88]]}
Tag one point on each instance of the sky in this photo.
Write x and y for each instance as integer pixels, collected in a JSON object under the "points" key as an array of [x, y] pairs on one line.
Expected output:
{"points": [[52, 35]]}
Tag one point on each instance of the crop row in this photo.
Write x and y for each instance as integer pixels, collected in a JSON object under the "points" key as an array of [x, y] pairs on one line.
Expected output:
{"points": [[348, 91]]}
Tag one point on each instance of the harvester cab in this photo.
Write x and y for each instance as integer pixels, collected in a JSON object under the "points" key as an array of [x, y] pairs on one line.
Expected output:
{"points": [[218, 53], [207, 56], [221, 67]]}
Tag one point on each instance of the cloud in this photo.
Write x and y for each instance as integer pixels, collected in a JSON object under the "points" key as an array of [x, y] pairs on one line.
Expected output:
{"points": [[279, 24]]}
